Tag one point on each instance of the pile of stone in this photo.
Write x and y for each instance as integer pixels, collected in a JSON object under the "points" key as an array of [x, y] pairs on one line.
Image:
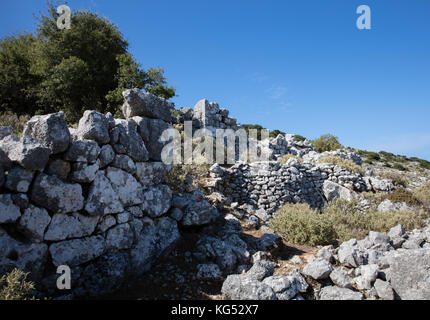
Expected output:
{"points": [[268, 186], [381, 266], [93, 198], [289, 144]]}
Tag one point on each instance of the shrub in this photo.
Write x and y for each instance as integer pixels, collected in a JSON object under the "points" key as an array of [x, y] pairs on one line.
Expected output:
{"points": [[14, 286], [343, 163], [398, 179], [299, 137], [423, 194], [339, 221], [179, 172], [284, 159], [327, 142], [403, 195], [11, 119], [298, 223]]}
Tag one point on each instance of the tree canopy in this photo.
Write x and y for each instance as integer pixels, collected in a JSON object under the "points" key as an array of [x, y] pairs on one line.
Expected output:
{"points": [[84, 67]]}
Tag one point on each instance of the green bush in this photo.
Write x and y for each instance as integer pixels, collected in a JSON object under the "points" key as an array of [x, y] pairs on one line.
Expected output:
{"points": [[347, 164], [14, 286], [299, 224], [299, 137], [338, 222], [327, 142]]}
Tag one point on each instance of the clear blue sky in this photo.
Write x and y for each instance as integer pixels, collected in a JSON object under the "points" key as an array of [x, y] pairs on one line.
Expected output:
{"points": [[300, 66]]}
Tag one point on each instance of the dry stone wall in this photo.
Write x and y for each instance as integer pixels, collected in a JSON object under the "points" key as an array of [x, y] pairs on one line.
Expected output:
{"points": [[92, 198]]}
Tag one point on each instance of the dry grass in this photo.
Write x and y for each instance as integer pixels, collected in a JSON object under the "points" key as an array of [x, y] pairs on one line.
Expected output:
{"points": [[10, 119], [179, 172], [284, 159], [398, 179], [14, 286], [339, 221], [343, 163], [423, 194]]}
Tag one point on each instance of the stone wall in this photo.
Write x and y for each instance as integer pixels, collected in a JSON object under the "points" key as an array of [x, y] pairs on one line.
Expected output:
{"points": [[266, 186], [93, 198]]}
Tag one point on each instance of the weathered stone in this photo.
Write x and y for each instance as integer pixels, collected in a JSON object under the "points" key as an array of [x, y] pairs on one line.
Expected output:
{"points": [[237, 287], [336, 293], [66, 227], [33, 223], [340, 278], [106, 156], [125, 163], [93, 126], [102, 198], [25, 257], [129, 191], [59, 168], [105, 223], [55, 195], [157, 200], [384, 290], [78, 251], [152, 173], [154, 240], [151, 131], [318, 269], [298, 281], [28, 152], [349, 254], [9, 212], [129, 141], [119, 237], [199, 211], [208, 271], [409, 274], [396, 232], [369, 273], [50, 130], [83, 151], [5, 131], [84, 172], [21, 200], [333, 191], [139, 103], [19, 179], [261, 270]]}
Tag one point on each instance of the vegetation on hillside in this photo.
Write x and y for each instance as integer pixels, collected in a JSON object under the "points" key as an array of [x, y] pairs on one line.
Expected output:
{"points": [[327, 142], [338, 222], [85, 67], [347, 164], [272, 134]]}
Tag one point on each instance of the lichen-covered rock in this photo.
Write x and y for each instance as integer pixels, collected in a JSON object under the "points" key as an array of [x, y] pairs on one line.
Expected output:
{"points": [[154, 240], [152, 173], [33, 223], [26, 257], [199, 211], [59, 168], [409, 274], [93, 126], [318, 269], [9, 212], [283, 286], [19, 179], [50, 130], [157, 200], [129, 191], [209, 271], [28, 152], [106, 156], [66, 227], [151, 130], [55, 195], [102, 198], [129, 141], [124, 162], [238, 287], [336, 293], [84, 172], [78, 251], [83, 151], [261, 270], [5, 131], [21, 200], [139, 103], [119, 237]]}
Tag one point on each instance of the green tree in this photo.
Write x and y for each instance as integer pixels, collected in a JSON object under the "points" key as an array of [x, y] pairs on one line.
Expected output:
{"points": [[84, 67], [327, 142]]}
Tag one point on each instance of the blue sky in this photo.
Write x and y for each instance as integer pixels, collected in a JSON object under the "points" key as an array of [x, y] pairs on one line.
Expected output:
{"points": [[300, 66]]}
